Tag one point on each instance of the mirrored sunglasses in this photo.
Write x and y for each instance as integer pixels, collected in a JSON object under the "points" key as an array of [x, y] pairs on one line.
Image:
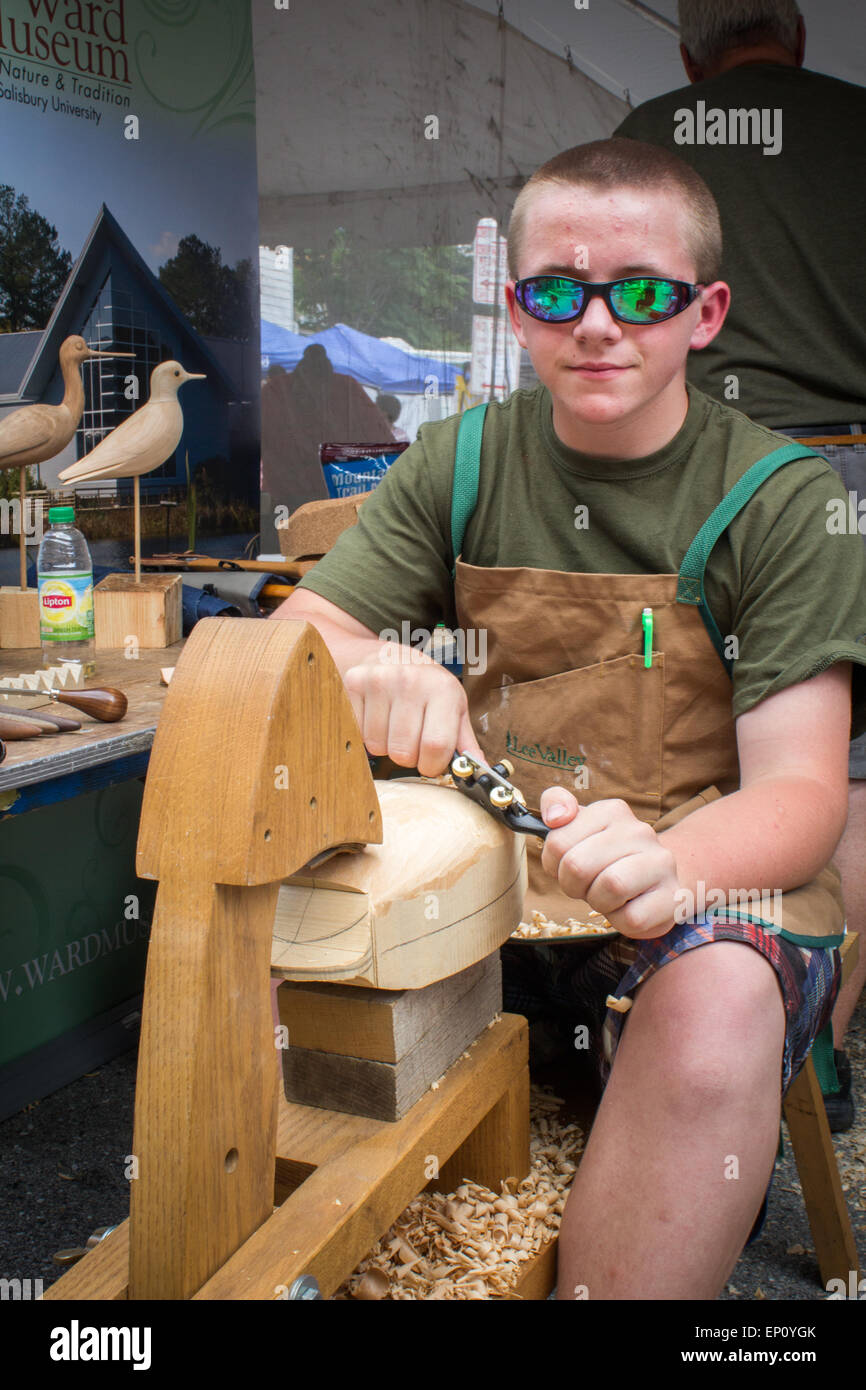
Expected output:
{"points": [[641, 300]]}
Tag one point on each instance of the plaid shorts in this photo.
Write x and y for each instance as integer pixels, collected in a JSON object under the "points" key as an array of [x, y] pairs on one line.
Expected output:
{"points": [[567, 986]]}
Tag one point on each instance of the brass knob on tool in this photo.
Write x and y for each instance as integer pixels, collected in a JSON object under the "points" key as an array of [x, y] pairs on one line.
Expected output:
{"points": [[462, 767], [507, 767], [103, 703], [501, 797]]}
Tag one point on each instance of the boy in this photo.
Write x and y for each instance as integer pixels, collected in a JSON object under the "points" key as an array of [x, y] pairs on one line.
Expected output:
{"points": [[592, 489]]}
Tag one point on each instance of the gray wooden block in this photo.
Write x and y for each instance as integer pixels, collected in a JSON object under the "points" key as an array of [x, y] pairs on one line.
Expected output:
{"points": [[385, 1090], [380, 1025]]}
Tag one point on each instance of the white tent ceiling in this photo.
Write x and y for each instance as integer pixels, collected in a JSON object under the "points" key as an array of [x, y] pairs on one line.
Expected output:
{"points": [[343, 92], [633, 55]]}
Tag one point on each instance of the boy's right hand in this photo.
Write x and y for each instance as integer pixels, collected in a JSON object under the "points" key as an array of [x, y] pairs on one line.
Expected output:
{"points": [[410, 709]]}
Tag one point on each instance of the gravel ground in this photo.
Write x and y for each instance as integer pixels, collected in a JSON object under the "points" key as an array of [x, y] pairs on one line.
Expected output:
{"points": [[63, 1175]]}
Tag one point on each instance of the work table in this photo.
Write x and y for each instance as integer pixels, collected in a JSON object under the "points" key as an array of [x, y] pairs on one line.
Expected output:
{"points": [[85, 755]]}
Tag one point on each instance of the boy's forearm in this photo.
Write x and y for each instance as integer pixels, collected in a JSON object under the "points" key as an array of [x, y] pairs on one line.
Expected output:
{"points": [[777, 833]]}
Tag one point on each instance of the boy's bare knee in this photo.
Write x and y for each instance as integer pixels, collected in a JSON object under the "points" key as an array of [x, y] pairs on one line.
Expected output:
{"points": [[715, 1026], [727, 985]]}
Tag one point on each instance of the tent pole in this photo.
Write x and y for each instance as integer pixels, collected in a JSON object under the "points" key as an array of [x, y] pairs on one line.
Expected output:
{"points": [[653, 16]]}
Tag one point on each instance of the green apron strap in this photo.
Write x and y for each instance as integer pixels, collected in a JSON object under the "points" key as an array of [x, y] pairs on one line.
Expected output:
{"points": [[467, 466], [690, 583]]}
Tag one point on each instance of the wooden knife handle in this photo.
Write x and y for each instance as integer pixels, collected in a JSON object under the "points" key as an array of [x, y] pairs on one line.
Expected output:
{"points": [[12, 726], [41, 717], [48, 726], [100, 702]]}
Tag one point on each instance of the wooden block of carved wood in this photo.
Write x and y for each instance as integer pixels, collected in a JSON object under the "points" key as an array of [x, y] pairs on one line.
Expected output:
{"points": [[150, 610], [403, 1040], [443, 890], [19, 617]]}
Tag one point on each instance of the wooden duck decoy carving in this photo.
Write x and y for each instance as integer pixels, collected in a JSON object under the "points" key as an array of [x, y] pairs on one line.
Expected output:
{"points": [[35, 433]]}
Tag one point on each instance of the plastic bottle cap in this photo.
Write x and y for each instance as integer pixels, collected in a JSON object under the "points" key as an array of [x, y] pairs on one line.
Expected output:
{"points": [[56, 514]]}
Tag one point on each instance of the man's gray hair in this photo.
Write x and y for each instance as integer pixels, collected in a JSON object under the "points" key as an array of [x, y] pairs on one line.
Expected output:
{"points": [[709, 27]]}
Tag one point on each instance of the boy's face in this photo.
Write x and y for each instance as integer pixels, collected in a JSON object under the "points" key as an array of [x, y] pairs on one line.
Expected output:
{"points": [[615, 386]]}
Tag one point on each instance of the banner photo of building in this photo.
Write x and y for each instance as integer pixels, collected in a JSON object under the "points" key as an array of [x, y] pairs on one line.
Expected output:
{"points": [[128, 215]]}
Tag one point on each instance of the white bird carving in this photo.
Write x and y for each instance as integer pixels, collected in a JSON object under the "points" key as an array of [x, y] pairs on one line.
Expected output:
{"points": [[141, 443], [146, 439]]}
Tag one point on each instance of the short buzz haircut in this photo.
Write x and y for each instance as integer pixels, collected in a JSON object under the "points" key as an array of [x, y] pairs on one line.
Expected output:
{"points": [[709, 28], [623, 163]]}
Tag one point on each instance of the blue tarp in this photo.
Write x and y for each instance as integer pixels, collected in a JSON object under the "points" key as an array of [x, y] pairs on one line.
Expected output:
{"points": [[367, 359]]}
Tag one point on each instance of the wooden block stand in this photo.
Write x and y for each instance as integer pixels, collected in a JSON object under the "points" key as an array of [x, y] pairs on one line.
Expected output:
{"points": [[150, 610], [19, 617], [375, 1052]]}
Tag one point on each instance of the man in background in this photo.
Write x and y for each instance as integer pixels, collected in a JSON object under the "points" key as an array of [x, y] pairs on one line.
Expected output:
{"points": [[781, 149], [303, 409], [390, 407]]}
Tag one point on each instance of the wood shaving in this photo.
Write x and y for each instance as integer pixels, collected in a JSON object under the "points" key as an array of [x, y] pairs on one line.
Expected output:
{"points": [[472, 1243], [541, 927], [372, 1285]]}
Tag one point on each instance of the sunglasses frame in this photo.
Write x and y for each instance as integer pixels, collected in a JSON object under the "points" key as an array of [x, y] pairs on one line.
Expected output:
{"points": [[603, 290]]}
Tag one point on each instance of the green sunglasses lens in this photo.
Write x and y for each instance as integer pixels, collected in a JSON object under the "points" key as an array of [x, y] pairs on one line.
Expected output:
{"points": [[549, 297], [646, 301]]}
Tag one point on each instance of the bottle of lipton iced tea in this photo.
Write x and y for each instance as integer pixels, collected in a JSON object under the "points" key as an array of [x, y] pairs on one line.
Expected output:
{"points": [[65, 577]]}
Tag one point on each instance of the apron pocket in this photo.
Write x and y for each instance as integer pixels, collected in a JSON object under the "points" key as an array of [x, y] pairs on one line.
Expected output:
{"points": [[597, 730]]}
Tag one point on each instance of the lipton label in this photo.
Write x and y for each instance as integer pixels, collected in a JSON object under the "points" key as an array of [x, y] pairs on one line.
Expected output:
{"points": [[66, 607]]}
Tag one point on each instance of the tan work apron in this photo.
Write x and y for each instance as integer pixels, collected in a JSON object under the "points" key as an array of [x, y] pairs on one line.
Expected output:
{"points": [[567, 698]]}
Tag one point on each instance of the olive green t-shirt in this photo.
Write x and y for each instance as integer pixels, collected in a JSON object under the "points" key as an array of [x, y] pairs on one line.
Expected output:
{"points": [[792, 591], [794, 343]]}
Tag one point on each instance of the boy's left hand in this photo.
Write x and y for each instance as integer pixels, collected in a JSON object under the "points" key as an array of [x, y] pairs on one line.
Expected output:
{"points": [[615, 862]]}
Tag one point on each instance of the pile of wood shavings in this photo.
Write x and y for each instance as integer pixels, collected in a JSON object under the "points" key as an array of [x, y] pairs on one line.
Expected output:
{"points": [[541, 927], [470, 1244]]}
